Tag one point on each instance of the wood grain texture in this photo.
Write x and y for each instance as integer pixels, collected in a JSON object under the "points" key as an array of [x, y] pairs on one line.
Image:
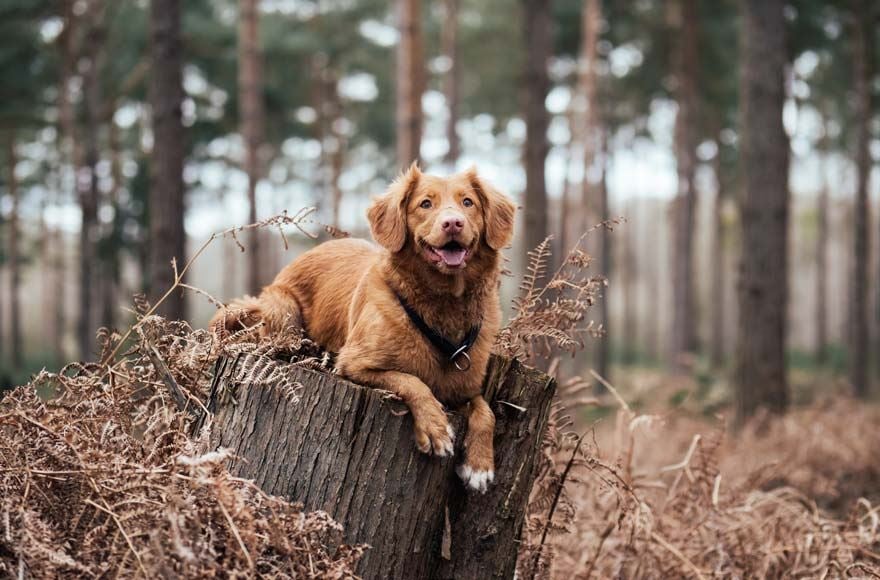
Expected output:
{"points": [[347, 450]]}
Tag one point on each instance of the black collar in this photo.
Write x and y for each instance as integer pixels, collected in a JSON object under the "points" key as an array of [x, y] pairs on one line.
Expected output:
{"points": [[457, 354]]}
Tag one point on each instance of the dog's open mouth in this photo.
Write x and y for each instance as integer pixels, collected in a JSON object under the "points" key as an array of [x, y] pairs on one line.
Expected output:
{"points": [[452, 254]]}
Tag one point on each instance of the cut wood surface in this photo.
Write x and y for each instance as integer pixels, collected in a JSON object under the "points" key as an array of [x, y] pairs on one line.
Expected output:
{"points": [[348, 450]]}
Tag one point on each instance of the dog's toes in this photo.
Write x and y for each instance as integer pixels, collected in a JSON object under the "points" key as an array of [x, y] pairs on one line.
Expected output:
{"points": [[423, 442], [439, 441], [476, 479], [443, 445]]}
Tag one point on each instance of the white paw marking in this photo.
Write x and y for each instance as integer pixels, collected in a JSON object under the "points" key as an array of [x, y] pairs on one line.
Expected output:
{"points": [[476, 479]]}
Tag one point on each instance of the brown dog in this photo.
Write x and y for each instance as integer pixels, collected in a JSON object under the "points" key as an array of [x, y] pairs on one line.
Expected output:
{"points": [[396, 315]]}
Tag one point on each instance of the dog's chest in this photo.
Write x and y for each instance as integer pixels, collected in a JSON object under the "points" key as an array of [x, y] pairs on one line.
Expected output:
{"points": [[449, 384]]}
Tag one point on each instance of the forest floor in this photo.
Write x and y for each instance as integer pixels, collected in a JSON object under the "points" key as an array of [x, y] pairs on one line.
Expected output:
{"points": [[667, 489], [647, 481]]}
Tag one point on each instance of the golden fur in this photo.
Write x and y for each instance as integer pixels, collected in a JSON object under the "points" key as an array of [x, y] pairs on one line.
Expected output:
{"points": [[343, 294]]}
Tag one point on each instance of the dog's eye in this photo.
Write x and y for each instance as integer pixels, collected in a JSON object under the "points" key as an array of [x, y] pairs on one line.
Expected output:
{"points": [[467, 202], [426, 204]]}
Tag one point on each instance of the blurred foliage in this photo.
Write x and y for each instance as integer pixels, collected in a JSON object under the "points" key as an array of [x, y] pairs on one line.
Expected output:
{"points": [[355, 39]]}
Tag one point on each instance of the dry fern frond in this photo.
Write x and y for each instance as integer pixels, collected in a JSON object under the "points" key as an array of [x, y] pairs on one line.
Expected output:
{"points": [[104, 479], [550, 315]]}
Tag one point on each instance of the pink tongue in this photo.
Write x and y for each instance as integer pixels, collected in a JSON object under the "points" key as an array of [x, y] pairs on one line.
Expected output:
{"points": [[452, 257]]}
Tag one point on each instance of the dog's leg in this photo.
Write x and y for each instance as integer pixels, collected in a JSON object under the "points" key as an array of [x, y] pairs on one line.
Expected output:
{"points": [[432, 430], [478, 469]]}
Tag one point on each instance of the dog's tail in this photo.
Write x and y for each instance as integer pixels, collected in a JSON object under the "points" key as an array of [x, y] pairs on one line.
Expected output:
{"points": [[240, 314], [277, 308]]}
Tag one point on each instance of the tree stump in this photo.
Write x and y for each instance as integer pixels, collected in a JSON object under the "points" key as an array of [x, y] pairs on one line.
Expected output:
{"points": [[348, 450]]}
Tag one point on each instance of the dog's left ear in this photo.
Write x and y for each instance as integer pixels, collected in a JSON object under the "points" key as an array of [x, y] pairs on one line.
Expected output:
{"points": [[498, 210], [387, 214]]}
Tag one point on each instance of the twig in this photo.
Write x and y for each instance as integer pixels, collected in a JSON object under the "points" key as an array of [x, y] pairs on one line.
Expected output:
{"points": [[555, 502], [167, 378], [125, 535], [235, 533], [611, 390], [675, 552]]}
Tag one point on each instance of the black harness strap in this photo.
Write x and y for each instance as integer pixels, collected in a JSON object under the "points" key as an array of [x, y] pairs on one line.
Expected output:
{"points": [[449, 349]]}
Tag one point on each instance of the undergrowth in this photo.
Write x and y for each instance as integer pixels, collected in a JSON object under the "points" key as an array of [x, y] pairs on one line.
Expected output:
{"points": [[111, 477]]}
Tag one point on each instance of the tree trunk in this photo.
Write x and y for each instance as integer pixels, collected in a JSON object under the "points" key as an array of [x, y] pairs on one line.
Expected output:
{"points": [[858, 368], [410, 81], [87, 179], [604, 267], [349, 451], [250, 80], [538, 32], [822, 235], [450, 80], [15, 337], [759, 376], [591, 17], [686, 66], [112, 239], [628, 276], [68, 155], [166, 203], [718, 261]]}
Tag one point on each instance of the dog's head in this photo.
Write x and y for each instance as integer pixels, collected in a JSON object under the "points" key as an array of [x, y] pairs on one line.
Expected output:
{"points": [[448, 221]]}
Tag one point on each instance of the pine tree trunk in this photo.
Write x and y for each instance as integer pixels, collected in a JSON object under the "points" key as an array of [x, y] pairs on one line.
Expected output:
{"points": [[450, 80], [89, 194], [347, 450], [110, 277], [718, 261], [822, 236], [858, 371], [759, 376], [628, 276], [166, 202], [410, 81], [588, 112], [250, 80], [68, 156], [538, 35], [15, 337], [604, 267], [683, 337]]}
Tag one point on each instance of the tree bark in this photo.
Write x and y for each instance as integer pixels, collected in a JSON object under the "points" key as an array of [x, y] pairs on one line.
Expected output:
{"points": [[591, 132], [451, 79], [166, 202], [68, 155], [759, 375], [822, 235], [628, 276], [604, 266], [718, 261], [683, 340], [410, 81], [250, 80], [15, 337], [87, 179], [859, 339], [349, 451], [538, 33], [112, 238]]}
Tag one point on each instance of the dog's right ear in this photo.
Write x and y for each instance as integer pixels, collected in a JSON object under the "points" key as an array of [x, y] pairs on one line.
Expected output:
{"points": [[387, 214]]}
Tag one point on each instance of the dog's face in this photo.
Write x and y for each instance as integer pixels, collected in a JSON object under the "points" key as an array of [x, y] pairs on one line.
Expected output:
{"points": [[448, 221]]}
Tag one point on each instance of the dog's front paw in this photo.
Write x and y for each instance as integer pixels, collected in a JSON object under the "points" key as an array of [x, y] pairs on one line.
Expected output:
{"points": [[476, 479], [433, 432]]}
